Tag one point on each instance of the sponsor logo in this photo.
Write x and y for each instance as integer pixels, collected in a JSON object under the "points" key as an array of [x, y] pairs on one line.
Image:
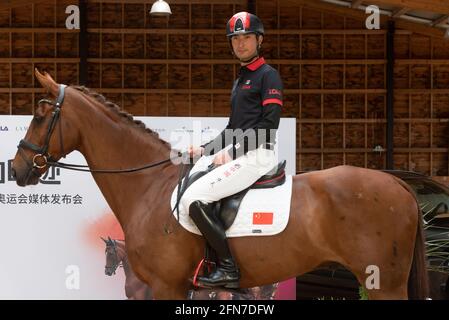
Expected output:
{"points": [[274, 91], [183, 129], [206, 130], [4, 128], [22, 128]]}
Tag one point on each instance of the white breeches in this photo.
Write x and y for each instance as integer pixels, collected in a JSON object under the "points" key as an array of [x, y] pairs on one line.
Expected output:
{"points": [[229, 178]]}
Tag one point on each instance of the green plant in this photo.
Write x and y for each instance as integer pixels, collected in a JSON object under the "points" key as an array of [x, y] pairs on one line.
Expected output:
{"points": [[436, 257], [363, 294]]}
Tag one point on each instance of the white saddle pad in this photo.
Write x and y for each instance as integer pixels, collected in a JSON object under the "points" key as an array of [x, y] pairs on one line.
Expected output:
{"points": [[262, 212]]}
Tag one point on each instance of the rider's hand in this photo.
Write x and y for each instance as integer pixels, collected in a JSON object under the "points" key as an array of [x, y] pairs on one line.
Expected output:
{"points": [[195, 151], [221, 158]]}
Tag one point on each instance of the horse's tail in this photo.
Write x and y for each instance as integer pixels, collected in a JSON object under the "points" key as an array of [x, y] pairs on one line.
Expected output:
{"points": [[418, 280]]}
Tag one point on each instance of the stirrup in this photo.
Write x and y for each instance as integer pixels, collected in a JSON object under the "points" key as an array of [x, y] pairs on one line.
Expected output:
{"points": [[208, 267], [220, 279]]}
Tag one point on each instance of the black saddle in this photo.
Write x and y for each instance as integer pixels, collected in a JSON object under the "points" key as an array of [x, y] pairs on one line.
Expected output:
{"points": [[226, 209]]}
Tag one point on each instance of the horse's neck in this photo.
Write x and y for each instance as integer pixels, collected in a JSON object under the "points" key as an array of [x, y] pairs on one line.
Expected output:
{"points": [[126, 267], [114, 144], [123, 257]]}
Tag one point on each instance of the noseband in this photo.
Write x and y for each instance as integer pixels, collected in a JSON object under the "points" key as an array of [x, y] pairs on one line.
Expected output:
{"points": [[42, 152]]}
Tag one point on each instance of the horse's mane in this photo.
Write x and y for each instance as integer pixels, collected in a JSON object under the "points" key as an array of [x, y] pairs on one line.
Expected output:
{"points": [[116, 109]]}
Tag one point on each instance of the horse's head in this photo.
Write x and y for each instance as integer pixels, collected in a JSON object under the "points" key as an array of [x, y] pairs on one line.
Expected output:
{"points": [[112, 257], [50, 136]]}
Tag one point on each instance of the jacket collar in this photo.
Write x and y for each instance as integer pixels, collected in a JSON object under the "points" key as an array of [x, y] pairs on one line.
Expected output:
{"points": [[256, 64]]}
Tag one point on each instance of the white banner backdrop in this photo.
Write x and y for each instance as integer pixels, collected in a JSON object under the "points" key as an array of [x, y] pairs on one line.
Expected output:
{"points": [[50, 233]]}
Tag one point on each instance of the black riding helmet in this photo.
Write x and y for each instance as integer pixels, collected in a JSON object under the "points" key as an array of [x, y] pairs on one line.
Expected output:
{"points": [[243, 23]]}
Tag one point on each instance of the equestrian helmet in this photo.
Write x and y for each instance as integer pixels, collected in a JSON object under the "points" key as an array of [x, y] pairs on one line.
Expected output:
{"points": [[243, 23]]}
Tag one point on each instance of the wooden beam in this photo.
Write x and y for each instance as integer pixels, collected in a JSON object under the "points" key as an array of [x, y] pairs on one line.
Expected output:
{"points": [[421, 61], [360, 15], [399, 12], [422, 91], [83, 44], [251, 6], [213, 31], [242, 2], [356, 3], [7, 4], [39, 30], [390, 95], [227, 61], [39, 60], [437, 6], [420, 28], [373, 120], [441, 20], [207, 32], [358, 150]]}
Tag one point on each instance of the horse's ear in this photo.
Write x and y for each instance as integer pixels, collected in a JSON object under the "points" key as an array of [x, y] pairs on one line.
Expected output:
{"points": [[47, 82], [105, 241]]}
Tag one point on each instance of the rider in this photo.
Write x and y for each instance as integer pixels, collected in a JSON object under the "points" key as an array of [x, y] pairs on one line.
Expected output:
{"points": [[256, 102]]}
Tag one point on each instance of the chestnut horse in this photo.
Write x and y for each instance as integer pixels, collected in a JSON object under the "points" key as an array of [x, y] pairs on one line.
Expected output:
{"points": [[356, 217]]}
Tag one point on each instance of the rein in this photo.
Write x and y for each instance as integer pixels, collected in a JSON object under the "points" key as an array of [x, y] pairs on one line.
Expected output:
{"points": [[41, 153], [79, 167]]}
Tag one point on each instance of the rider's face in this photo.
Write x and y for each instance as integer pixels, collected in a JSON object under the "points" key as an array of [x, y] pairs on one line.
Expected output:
{"points": [[245, 45]]}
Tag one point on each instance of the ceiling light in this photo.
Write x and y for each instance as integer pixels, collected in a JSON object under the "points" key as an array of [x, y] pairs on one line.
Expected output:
{"points": [[160, 8]]}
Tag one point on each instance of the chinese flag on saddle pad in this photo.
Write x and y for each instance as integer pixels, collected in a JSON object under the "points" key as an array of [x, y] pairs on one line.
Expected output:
{"points": [[262, 217]]}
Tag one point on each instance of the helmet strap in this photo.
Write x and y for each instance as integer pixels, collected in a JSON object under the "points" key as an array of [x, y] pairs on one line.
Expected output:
{"points": [[250, 59]]}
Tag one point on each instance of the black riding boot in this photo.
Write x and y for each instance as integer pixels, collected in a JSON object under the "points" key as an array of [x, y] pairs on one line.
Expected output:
{"points": [[226, 274]]}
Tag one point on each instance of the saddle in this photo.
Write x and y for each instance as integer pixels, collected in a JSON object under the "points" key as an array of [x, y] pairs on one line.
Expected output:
{"points": [[226, 209]]}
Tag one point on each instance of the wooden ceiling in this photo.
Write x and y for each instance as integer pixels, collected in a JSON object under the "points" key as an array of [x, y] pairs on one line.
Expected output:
{"points": [[430, 29], [436, 6], [404, 6]]}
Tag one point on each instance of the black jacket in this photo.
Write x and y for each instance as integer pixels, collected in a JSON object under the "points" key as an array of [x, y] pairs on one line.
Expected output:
{"points": [[256, 102]]}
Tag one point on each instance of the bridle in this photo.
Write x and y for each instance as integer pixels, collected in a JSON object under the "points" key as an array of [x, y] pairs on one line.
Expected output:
{"points": [[42, 152], [42, 156], [48, 160], [115, 259]]}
